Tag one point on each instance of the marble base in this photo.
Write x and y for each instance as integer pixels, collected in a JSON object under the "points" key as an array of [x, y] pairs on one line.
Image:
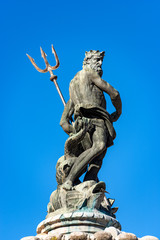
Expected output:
{"points": [[109, 233]]}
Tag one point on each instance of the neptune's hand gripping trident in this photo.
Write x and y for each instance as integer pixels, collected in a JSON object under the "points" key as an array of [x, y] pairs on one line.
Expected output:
{"points": [[49, 69]]}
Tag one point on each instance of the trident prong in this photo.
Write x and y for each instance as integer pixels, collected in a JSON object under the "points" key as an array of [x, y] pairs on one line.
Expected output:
{"points": [[49, 69]]}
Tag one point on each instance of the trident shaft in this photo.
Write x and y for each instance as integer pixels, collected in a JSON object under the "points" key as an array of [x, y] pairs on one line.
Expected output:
{"points": [[49, 69]]}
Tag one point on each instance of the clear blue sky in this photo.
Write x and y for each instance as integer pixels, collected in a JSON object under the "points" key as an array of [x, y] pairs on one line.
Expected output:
{"points": [[31, 138]]}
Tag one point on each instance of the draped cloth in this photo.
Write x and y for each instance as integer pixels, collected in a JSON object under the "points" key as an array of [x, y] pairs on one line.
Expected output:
{"points": [[95, 113]]}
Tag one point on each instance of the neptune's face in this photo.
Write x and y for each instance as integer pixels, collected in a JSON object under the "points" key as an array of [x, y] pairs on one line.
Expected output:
{"points": [[94, 61]]}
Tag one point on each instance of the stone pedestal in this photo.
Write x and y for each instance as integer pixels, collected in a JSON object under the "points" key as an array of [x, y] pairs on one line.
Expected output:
{"points": [[77, 221]]}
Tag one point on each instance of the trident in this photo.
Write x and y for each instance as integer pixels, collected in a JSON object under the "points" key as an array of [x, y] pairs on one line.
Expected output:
{"points": [[49, 69]]}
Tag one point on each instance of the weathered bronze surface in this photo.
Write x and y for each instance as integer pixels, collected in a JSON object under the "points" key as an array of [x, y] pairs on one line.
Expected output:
{"points": [[90, 134], [92, 131]]}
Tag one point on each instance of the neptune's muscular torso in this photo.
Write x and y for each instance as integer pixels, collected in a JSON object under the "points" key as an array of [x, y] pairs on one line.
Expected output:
{"points": [[83, 91]]}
